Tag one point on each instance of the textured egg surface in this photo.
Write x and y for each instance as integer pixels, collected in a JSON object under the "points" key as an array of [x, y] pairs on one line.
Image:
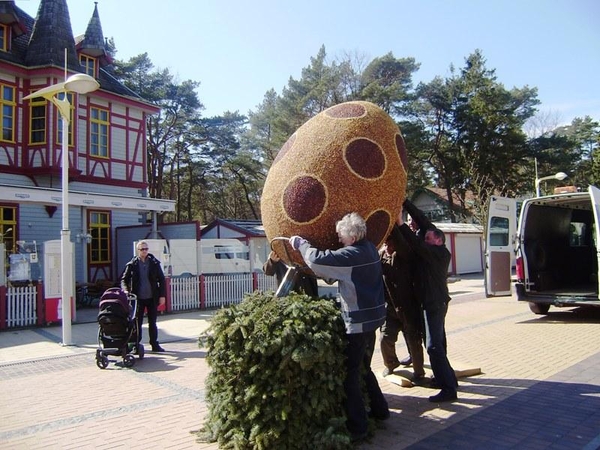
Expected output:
{"points": [[348, 158]]}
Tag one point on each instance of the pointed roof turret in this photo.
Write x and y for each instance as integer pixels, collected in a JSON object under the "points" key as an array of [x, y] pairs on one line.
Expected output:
{"points": [[50, 36], [92, 42]]}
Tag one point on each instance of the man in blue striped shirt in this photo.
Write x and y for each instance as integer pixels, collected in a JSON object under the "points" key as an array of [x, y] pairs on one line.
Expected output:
{"points": [[357, 268]]}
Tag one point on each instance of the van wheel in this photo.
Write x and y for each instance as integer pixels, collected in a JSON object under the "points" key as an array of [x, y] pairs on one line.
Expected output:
{"points": [[538, 308]]}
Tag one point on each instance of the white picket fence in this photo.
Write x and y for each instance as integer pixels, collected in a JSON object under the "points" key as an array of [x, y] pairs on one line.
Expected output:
{"points": [[185, 293], [266, 282], [219, 289], [21, 305]]}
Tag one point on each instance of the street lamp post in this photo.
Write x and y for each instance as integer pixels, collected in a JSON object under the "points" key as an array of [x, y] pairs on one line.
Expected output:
{"points": [[81, 84], [557, 176]]}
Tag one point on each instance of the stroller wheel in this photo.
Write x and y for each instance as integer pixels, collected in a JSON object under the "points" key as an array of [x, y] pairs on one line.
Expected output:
{"points": [[129, 361], [140, 351], [102, 362]]}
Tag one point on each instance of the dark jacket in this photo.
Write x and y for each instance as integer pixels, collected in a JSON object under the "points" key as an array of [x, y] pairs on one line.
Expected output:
{"points": [[357, 268], [431, 275], [130, 280], [398, 276]]}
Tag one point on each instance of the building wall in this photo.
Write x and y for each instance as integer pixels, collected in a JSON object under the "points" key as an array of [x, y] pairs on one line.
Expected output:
{"points": [[468, 253], [122, 174]]}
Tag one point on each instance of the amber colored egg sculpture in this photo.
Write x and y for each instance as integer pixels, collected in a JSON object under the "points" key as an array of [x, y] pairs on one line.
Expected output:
{"points": [[348, 158]]}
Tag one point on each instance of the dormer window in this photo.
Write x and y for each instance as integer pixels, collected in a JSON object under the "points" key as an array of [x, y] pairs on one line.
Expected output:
{"points": [[89, 64], [4, 37]]}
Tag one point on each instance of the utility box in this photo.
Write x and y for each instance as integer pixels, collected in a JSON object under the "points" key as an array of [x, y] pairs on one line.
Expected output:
{"points": [[19, 268], [24, 265]]}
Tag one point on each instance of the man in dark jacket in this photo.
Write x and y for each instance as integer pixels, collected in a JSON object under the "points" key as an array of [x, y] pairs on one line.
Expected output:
{"points": [[403, 309], [144, 277], [432, 289]]}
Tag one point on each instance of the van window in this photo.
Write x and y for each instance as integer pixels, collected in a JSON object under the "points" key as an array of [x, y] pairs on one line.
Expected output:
{"points": [[499, 231], [224, 252], [243, 255]]}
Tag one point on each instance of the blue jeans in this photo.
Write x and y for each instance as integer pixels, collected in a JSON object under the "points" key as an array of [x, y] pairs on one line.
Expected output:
{"points": [[435, 331], [359, 353]]}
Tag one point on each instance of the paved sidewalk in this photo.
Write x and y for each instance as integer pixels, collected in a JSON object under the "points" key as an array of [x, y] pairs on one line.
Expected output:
{"points": [[44, 342], [539, 387]]}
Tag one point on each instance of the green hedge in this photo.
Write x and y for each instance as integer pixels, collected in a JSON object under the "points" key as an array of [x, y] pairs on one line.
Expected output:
{"points": [[277, 373]]}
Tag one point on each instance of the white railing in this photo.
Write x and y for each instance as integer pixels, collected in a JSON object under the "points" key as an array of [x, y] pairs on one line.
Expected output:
{"points": [[219, 290], [266, 282], [226, 289], [21, 306], [185, 293]]}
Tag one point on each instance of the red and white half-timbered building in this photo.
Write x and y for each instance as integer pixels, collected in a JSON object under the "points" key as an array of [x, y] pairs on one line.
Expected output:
{"points": [[106, 141]]}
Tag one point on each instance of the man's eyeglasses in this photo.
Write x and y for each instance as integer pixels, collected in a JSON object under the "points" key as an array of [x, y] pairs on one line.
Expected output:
{"points": [[145, 249]]}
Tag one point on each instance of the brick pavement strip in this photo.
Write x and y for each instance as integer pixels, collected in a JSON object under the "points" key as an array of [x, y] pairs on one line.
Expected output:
{"points": [[68, 401], [530, 364]]}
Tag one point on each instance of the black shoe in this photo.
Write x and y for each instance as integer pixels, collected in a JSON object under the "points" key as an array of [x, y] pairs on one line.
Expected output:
{"points": [[358, 437], [406, 361], [381, 416], [389, 370], [443, 396], [433, 384], [157, 349], [419, 380]]}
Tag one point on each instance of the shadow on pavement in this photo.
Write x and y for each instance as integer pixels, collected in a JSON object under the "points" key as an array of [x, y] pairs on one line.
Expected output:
{"points": [[581, 314], [533, 414]]}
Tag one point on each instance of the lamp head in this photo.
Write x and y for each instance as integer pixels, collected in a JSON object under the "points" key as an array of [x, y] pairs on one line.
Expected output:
{"points": [[560, 176], [81, 83]]}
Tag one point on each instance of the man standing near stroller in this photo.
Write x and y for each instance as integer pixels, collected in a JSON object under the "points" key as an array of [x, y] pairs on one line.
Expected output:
{"points": [[144, 277]]}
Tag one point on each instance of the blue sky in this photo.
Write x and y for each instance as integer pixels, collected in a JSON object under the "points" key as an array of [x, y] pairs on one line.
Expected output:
{"points": [[239, 49]]}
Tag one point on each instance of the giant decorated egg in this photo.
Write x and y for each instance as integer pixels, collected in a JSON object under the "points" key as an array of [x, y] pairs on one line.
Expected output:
{"points": [[348, 158]]}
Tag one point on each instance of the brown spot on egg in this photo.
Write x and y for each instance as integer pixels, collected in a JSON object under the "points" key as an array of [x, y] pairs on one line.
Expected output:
{"points": [[365, 158], [346, 111], [285, 148], [378, 225], [401, 147], [304, 199]]}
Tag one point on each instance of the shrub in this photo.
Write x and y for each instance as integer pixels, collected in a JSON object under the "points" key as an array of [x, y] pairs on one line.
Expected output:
{"points": [[277, 373]]}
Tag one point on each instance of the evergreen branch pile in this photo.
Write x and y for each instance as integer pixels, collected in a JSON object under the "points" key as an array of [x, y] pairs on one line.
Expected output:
{"points": [[277, 373]]}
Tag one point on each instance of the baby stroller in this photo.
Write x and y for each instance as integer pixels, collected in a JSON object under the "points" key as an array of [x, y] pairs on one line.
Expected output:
{"points": [[117, 328]]}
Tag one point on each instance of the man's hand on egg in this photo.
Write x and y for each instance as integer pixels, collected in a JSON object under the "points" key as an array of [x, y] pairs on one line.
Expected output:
{"points": [[297, 241]]}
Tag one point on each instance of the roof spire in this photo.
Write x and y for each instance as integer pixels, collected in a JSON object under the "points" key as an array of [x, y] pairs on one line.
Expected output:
{"points": [[51, 34], [92, 43]]}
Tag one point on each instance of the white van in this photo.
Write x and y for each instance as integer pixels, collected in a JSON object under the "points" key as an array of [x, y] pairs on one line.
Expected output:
{"points": [[224, 256], [555, 249]]}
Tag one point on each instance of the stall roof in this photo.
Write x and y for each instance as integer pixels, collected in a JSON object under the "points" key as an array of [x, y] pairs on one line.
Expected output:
{"points": [[250, 228], [49, 196], [448, 227]]}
